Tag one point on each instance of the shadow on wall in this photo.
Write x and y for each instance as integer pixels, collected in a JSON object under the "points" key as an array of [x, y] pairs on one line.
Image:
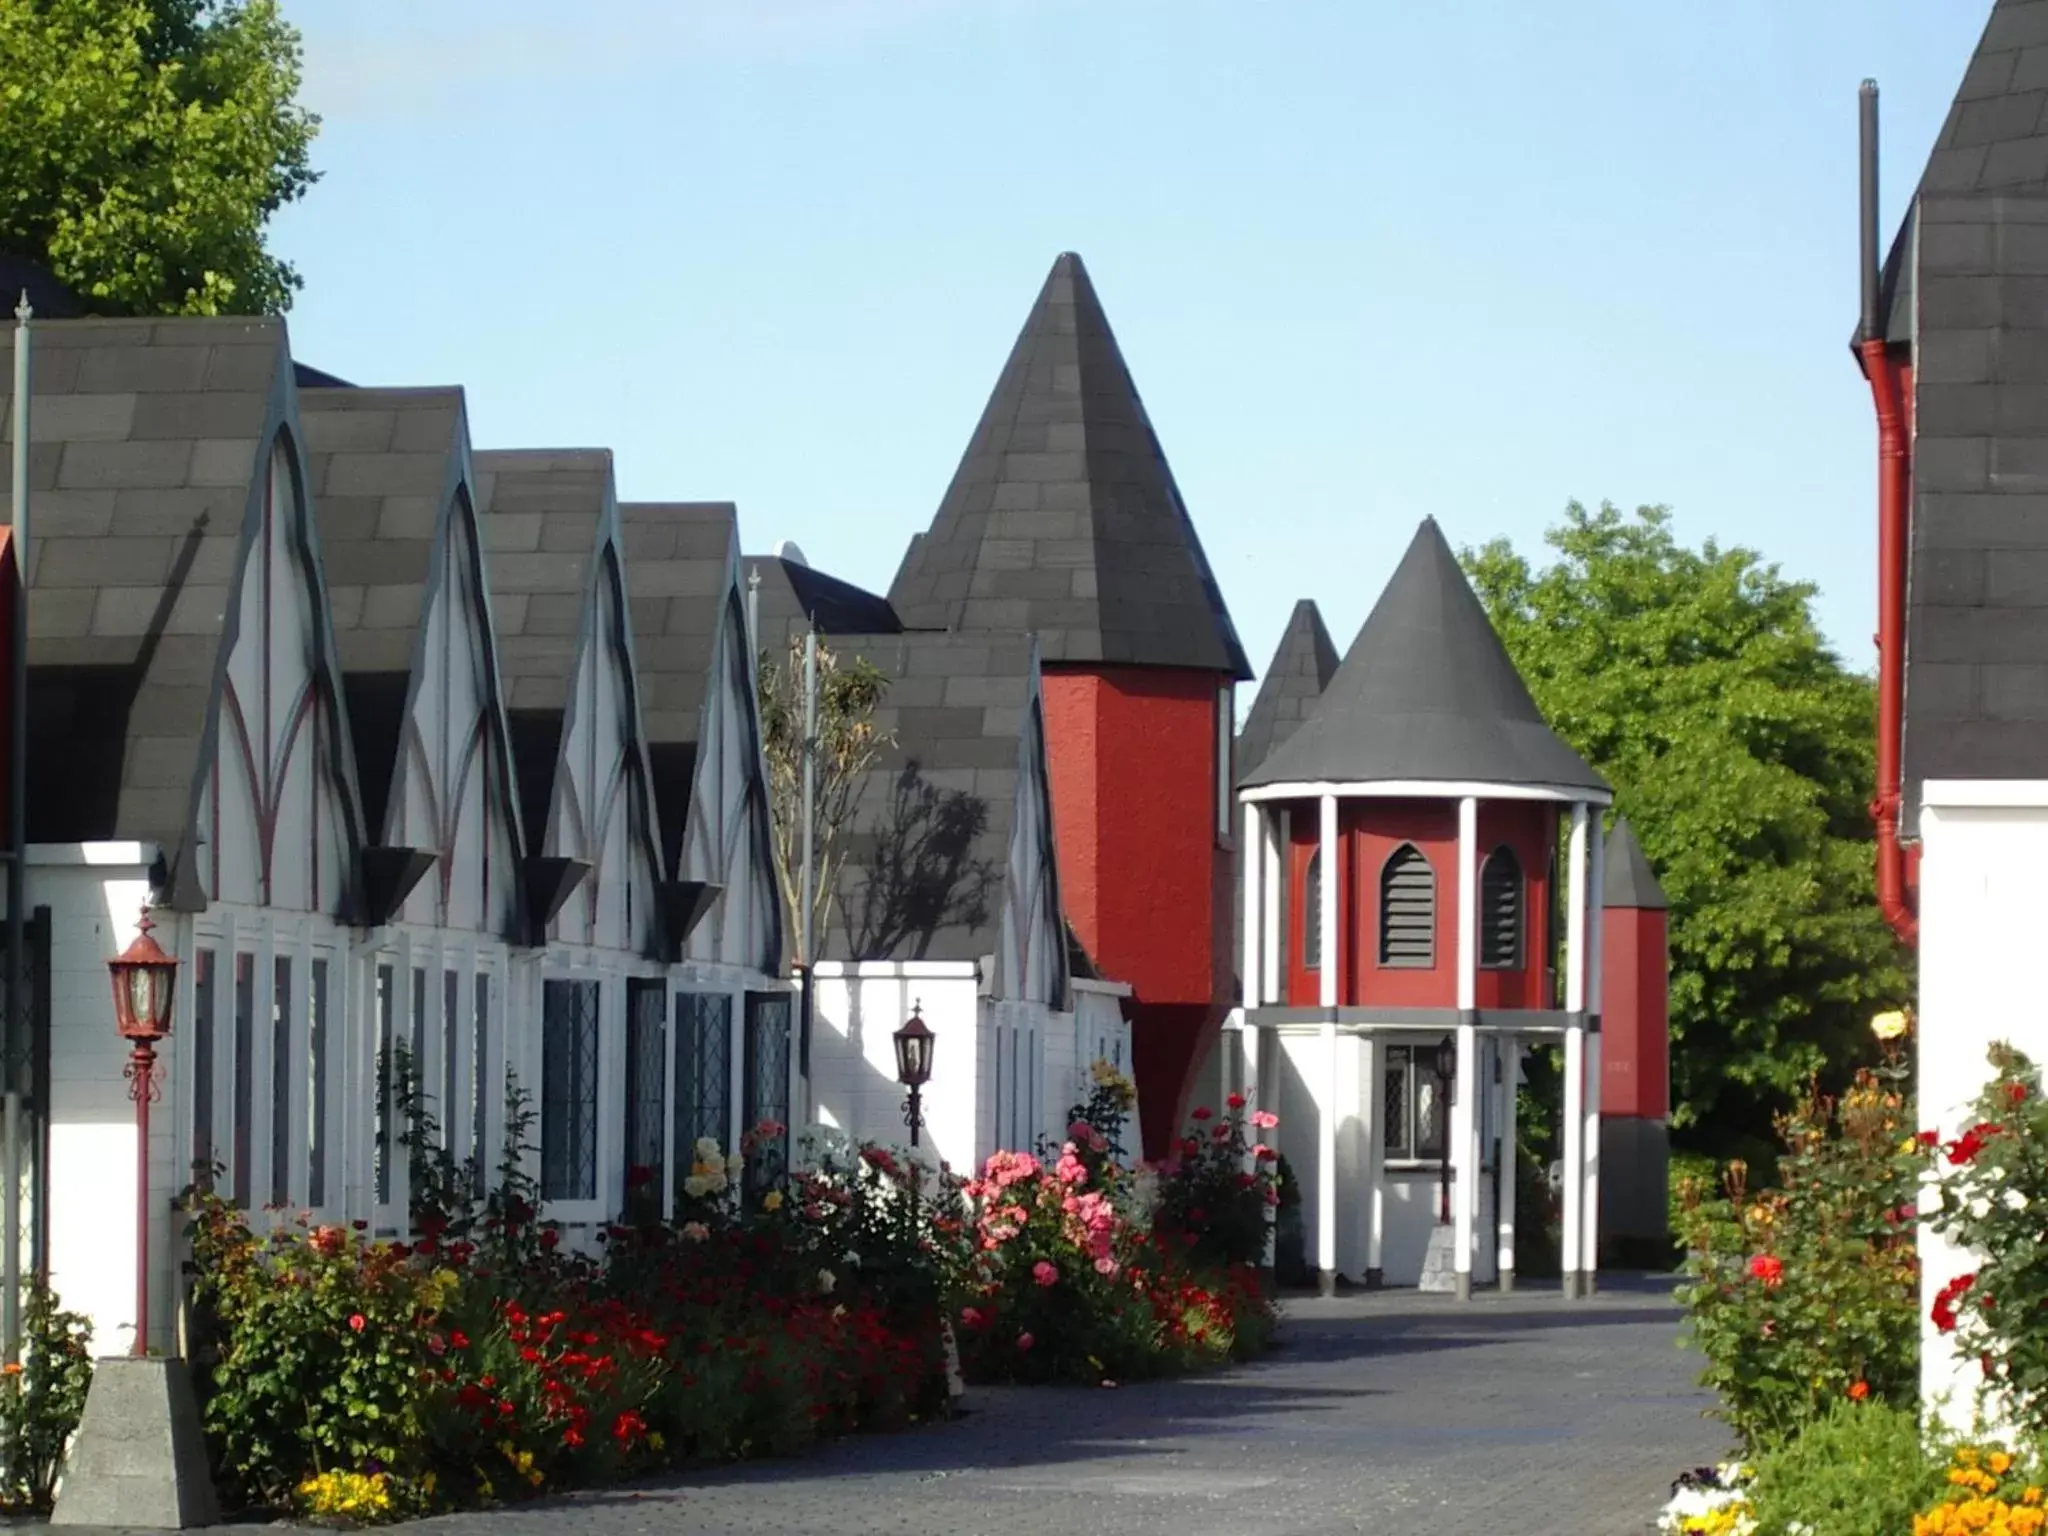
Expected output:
{"points": [[921, 873]]}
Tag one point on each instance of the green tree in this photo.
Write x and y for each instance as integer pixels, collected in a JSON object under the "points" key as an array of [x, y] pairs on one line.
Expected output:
{"points": [[144, 146], [1741, 750]]}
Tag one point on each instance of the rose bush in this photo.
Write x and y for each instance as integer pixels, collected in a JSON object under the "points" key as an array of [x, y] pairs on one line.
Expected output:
{"points": [[1807, 1295]]}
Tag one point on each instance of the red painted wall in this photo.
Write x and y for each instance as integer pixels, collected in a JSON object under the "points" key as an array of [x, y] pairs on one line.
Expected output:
{"points": [[1145, 880], [1635, 1003], [1369, 832]]}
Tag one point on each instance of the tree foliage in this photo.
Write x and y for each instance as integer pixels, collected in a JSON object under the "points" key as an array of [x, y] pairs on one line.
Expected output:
{"points": [[844, 748], [1742, 751], [144, 146]]}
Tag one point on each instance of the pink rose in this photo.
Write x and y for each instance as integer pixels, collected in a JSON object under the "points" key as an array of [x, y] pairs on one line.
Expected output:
{"points": [[1265, 1119], [1045, 1272], [1025, 1341]]}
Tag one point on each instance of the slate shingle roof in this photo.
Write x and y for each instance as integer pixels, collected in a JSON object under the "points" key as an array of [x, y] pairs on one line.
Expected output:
{"points": [[386, 465], [1427, 692], [791, 593], [679, 567], [540, 512], [1302, 667], [1626, 879], [924, 874], [1063, 518], [148, 464]]}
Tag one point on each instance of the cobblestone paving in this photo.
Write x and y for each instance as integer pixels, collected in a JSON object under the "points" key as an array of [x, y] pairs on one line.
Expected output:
{"points": [[1396, 1414]]}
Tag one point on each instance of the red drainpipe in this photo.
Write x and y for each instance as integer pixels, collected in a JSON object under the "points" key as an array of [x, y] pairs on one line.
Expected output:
{"points": [[1891, 390]]}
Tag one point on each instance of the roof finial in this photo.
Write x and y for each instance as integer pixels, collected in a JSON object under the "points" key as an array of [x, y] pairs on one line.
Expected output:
{"points": [[24, 311]]}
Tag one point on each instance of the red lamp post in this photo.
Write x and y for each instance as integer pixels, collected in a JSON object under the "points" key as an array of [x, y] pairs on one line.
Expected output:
{"points": [[145, 981]]}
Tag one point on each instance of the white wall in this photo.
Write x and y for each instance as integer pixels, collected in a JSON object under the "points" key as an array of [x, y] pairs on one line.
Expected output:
{"points": [[1979, 934], [859, 1008]]}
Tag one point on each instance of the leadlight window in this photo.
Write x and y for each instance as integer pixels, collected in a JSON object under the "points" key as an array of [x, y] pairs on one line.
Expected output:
{"points": [[1312, 913], [482, 1076], [316, 1088], [245, 1073], [202, 1068], [1411, 1108], [281, 1082], [451, 1058], [387, 1039], [1501, 905], [765, 1071], [646, 1081], [1407, 910], [703, 1086], [568, 1075]]}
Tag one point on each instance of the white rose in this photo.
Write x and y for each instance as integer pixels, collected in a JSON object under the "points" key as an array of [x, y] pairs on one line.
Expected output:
{"points": [[826, 1281]]}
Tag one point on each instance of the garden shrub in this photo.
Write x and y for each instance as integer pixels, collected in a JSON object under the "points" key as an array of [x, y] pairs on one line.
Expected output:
{"points": [[1807, 1295], [41, 1398], [1859, 1469]]}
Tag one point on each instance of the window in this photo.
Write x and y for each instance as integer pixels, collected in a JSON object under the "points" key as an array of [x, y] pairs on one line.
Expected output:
{"points": [[245, 1073], [1414, 1118], [703, 1088], [646, 1082], [1226, 736], [1407, 910], [766, 1083], [1312, 913], [202, 1068], [316, 1088], [482, 1077], [281, 1082], [451, 987], [387, 1038], [1500, 911], [568, 1090]]}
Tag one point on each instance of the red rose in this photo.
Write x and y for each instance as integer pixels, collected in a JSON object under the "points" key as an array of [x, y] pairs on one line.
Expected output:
{"points": [[1859, 1391], [1768, 1268], [2015, 1093], [1203, 1112], [358, 1322], [1943, 1312]]}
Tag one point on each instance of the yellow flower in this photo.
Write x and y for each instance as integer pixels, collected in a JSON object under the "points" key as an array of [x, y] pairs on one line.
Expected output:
{"points": [[1999, 1463], [772, 1201], [1892, 1024]]}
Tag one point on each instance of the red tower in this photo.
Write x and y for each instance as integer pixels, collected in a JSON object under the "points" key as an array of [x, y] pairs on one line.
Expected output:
{"points": [[1635, 1079], [1064, 520]]}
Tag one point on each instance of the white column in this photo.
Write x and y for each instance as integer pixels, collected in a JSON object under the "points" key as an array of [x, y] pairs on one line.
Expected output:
{"points": [[1326, 1152], [1272, 889], [1375, 1105], [1468, 903], [1575, 972], [1589, 1218], [1252, 849], [1326, 866], [1464, 1127], [1510, 1161]]}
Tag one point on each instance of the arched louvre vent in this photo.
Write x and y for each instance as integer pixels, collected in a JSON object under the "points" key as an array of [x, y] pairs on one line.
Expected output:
{"points": [[1500, 911], [1408, 910], [1312, 913]]}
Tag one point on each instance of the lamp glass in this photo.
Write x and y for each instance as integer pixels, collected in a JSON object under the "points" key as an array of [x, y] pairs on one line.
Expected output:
{"points": [[1447, 1058], [914, 1043]]}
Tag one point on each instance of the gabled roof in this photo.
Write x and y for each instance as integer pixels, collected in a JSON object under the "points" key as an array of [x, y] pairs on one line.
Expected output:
{"points": [[1063, 519], [1995, 139], [679, 569], [541, 512], [148, 466], [1427, 693], [1626, 879], [923, 878], [1302, 668], [790, 593], [385, 464]]}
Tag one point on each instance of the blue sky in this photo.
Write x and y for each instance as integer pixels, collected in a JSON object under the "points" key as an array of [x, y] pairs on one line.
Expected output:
{"points": [[1367, 261]]}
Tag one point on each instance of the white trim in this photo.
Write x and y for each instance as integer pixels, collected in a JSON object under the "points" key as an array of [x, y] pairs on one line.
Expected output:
{"points": [[1982, 794], [95, 855], [1330, 957], [906, 969], [1085, 984], [1426, 789], [1251, 980]]}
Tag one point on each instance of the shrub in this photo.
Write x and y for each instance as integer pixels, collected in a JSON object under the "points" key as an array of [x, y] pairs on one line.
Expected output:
{"points": [[42, 1397], [1857, 1470], [1216, 1194], [1806, 1295]]}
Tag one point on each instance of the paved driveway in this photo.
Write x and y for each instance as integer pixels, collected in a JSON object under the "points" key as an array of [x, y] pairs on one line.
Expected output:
{"points": [[1391, 1414]]}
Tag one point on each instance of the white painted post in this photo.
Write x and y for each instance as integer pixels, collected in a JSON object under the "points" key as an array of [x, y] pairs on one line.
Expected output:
{"points": [[1576, 908], [1253, 852], [1274, 888], [1375, 1105], [1589, 1220], [1468, 904], [1510, 1160], [1326, 1161], [1464, 1126], [1327, 869]]}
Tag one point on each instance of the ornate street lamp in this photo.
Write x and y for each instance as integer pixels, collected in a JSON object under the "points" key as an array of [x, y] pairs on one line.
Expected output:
{"points": [[1446, 1095], [914, 1043], [145, 984]]}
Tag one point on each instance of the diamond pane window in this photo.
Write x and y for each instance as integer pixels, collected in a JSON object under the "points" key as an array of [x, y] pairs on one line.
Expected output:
{"points": [[568, 1074], [703, 1089], [767, 1083], [646, 1078]]}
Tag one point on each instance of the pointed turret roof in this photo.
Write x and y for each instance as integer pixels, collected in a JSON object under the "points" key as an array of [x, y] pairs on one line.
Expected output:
{"points": [[1063, 519], [1994, 141], [1427, 693], [1302, 668], [1626, 877]]}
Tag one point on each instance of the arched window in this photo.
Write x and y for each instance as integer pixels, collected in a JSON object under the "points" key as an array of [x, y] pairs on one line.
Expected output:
{"points": [[1407, 910], [1500, 911], [1312, 914]]}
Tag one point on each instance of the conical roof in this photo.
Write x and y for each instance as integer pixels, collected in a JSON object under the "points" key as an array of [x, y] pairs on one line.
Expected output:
{"points": [[1427, 693], [1302, 668], [1063, 518], [1995, 139], [1626, 879]]}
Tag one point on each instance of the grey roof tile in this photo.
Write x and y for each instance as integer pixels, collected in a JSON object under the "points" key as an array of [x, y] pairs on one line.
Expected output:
{"points": [[1065, 452], [1302, 667], [1627, 881]]}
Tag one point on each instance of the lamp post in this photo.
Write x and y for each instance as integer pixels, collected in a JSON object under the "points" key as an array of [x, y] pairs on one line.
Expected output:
{"points": [[1446, 1090], [914, 1043], [144, 986]]}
